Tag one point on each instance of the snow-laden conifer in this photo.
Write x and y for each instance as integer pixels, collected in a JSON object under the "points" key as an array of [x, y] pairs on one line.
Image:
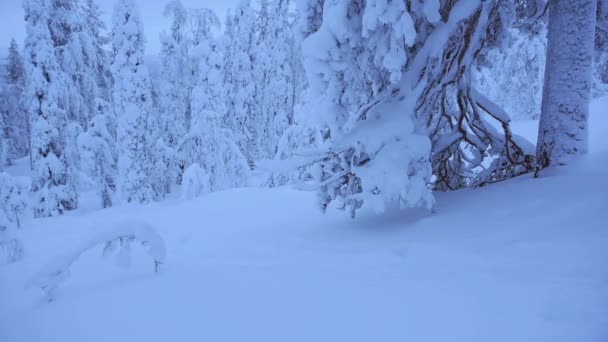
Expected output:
{"points": [[98, 158], [132, 105], [209, 143], [55, 192], [16, 121], [241, 86]]}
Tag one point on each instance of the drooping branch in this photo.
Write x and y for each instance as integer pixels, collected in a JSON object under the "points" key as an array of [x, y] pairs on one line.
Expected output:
{"points": [[471, 143], [463, 140]]}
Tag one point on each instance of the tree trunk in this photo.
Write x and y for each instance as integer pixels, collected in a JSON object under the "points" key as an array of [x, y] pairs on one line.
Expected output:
{"points": [[567, 86]]}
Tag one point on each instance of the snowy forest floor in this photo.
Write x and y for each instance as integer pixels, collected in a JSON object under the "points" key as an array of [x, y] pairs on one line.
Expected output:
{"points": [[524, 260]]}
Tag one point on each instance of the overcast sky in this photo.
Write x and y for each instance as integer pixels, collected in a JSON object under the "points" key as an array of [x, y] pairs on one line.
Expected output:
{"points": [[12, 24]]}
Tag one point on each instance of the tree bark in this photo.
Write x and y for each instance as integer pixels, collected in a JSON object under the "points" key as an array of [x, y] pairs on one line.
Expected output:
{"points": [[563, 130]]}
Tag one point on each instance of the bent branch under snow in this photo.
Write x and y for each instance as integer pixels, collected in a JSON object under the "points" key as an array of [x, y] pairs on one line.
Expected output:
{"points": [[58, 270]]}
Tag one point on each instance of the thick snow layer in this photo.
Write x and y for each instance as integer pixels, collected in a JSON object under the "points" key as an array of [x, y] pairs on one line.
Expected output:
{"points": [[522, 260]]}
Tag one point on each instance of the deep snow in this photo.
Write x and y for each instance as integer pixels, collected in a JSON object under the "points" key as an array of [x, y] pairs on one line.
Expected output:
{"points": [[523, 260]]}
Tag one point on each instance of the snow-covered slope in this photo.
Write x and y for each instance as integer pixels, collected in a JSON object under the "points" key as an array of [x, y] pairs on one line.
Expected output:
{"points": [[524, 260]]}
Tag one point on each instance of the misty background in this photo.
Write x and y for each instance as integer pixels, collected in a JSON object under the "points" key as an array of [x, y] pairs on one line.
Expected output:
{"points": [[12, 23]]}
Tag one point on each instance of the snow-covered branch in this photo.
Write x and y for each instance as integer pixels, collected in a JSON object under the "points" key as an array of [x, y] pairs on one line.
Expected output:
{"points": [[121, 237]]}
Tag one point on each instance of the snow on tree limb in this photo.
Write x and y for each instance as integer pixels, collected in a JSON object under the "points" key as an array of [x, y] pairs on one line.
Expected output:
{"points": [[357, 87], [58, 269], [490, 107]]}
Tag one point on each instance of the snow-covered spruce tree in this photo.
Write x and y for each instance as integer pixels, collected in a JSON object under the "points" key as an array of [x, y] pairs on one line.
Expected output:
{"points": [[340, 83], [297, 69], [98, 157], [13, 201], [274, 75], [239, 81], [563, 130], [175, 73], [97, 60], [4, 142], [396, 103], [310, 127], [196, 182], [205, 48], [177, 81], [14, 67], [4, 160], [132, 105], [262, 69], [209, 148], [65, 26], [71, 151], [301, 136], [16, 128], [77, 33], [51, 182]]}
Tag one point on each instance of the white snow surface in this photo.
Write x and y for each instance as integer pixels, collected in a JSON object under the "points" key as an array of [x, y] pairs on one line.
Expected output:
{"points": [[522, 260]]}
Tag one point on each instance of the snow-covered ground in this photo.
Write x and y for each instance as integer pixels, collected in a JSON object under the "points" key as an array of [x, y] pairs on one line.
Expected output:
{"points": [[524, 260]]}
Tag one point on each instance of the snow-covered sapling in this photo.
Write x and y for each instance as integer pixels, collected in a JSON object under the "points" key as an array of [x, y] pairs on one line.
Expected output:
{"points": [[120, 238], [196, 182]]}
